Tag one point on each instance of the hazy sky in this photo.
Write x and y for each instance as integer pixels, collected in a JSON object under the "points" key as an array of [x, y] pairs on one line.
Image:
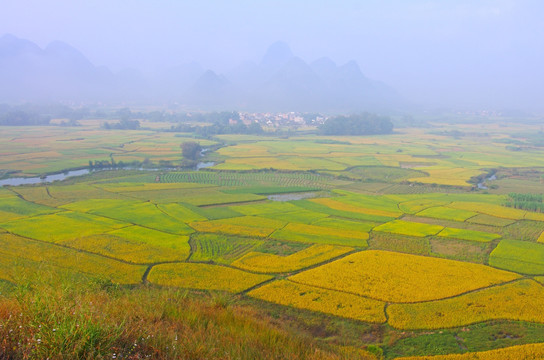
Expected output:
{"points": [[483, 53]]}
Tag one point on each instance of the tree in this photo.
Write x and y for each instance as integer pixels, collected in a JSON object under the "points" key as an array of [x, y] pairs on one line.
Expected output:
{"points": [[360, 124], [190, 150]]}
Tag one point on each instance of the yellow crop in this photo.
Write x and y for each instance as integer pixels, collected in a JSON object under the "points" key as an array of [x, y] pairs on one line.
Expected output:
{"points": [[19, 256], [395, 277], [446, 176], [135, 244], [252, 221], [534, 216], [337, 205], [409, 228], [414, 206], [127, 187], [443, 212], [490, 209], [515, 301], [216, 227], [324, 231], [204, 276], [518, 352], [541, 238], [61, 226], [338, 303], [270, 263]]}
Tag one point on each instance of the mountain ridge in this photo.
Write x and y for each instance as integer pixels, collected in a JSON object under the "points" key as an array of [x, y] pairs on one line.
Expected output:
{"points": [[281, 81]]}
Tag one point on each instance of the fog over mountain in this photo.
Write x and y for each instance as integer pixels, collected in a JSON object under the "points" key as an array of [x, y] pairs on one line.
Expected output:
{"points": [[281, 81], [456, 55]]}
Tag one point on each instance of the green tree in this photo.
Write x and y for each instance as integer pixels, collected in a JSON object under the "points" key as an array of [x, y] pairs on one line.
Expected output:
{"points": [[190, 150]]}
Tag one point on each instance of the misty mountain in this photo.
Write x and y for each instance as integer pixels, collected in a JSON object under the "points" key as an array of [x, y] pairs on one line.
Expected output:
{"points": [[58, 72], [285, 82], [171, 84], [281, 81], [211, 92]]}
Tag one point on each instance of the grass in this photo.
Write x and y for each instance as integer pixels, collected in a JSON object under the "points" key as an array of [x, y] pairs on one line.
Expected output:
{"points": [[89, 321], [489, 336]]}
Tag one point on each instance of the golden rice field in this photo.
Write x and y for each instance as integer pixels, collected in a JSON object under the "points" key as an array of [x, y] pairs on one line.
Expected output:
{"points": [[327, 301], [204, 276], [513, 301], [222, 228], [135, 244], [402, 227], [442, 212], [270, 263], [519, 352], [403, 278], [22, 258], [320, 235], [321, 255], [338, 205], [470, 235], [61, 226]]}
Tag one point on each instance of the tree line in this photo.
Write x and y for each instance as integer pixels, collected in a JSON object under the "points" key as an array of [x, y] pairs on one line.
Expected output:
{"points": [[530, 202], [357, 124]]}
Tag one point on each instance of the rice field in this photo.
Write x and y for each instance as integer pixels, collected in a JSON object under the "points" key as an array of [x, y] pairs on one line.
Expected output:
{"points": [[394, 237], [205, 277], [394, 277], [519, 256], [469, 235], [222, 249], [514, 301], [271, 263], [327, 301], [442, 212], [402, 227], [518, 352], [23, 258], [62, 226], [320, 235], [134, 212]]}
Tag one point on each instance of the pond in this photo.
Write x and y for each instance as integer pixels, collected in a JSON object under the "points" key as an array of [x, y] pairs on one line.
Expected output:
{"points": [[292, 196]]}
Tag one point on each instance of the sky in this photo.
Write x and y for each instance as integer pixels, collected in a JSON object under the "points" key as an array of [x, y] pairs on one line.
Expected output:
{"points": [[474, 54]]}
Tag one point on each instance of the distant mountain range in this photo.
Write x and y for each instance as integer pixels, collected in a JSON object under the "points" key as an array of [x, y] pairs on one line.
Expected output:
{"points": [[280, 82]]}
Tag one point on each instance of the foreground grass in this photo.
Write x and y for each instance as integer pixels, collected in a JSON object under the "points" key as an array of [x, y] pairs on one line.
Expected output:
{"points": [[99, 320]]}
